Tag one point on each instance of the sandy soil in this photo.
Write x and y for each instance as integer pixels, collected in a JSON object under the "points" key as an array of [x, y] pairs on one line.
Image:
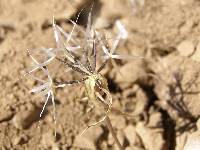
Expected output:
{"points": [[161, 90]]}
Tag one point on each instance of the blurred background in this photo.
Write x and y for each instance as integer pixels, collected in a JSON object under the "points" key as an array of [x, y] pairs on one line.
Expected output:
{"points": [[161, 90]]}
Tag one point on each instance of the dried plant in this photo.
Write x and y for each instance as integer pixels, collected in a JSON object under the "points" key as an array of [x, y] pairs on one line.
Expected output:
{"points": [[80, 55]]}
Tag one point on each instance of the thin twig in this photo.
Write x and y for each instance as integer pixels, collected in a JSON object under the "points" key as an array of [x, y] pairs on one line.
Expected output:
{"points": [[110, 127]]}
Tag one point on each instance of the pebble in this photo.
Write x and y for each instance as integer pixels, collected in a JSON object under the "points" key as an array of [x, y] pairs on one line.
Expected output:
{"points": [[186, 48]]}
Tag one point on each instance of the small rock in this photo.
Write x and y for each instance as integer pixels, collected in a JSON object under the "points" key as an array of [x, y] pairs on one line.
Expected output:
{"points": [[89, 138], [24, 118], [186, 48]]}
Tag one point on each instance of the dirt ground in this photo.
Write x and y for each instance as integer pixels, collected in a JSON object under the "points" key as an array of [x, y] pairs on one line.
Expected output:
{"points": [[162, 90]]}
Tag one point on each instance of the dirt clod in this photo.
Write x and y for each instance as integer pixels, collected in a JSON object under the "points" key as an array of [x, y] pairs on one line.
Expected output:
{"points": [[131, 135], [88, 139], [130, 72], [24, 118], [153, 139], [5, 115]]}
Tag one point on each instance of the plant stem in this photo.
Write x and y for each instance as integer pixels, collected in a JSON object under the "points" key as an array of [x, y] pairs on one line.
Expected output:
{"points": [[110, 127]]}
